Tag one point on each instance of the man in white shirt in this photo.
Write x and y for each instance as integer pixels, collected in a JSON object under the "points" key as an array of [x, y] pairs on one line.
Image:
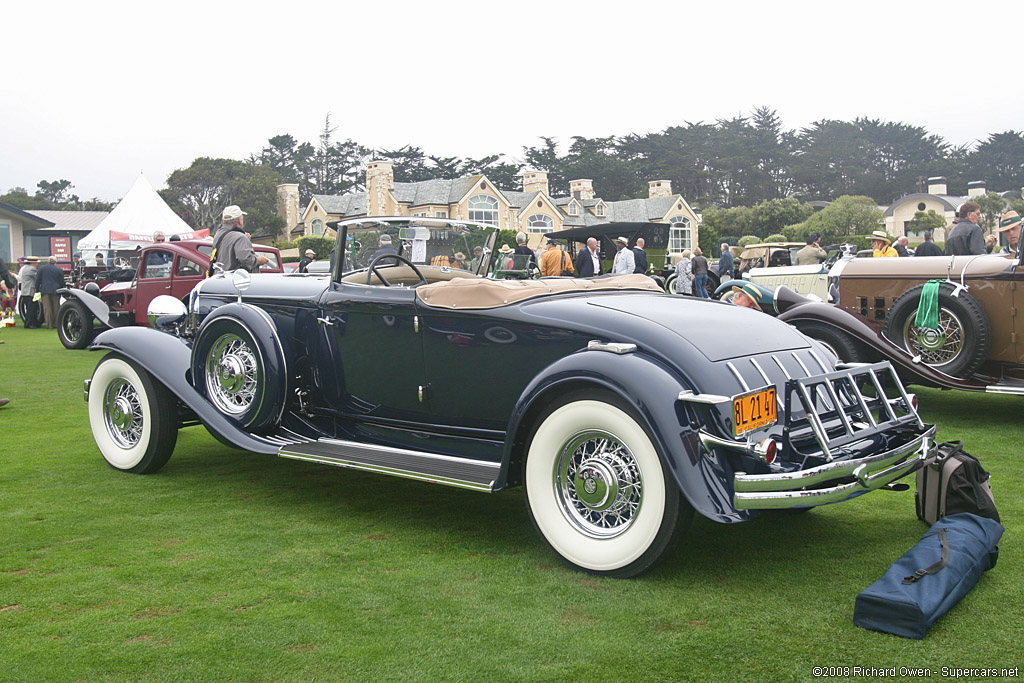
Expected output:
{"points": [[624, 261]]}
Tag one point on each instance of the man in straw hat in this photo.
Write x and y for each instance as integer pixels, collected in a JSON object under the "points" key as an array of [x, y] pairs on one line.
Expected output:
{"points": [[965, 238], [880, 243], [746, 296], [1009, 225], [625, 262]]}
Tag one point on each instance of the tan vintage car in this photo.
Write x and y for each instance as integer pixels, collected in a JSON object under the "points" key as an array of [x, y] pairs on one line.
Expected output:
{"points": [[978, 343]]}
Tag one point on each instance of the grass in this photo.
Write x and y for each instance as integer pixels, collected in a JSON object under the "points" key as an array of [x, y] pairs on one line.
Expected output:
{"points": [[232, 566]]}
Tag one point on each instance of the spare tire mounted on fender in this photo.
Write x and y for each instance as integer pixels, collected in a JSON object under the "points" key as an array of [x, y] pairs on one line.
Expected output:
{"points": [[961, 342], [238, 365]]}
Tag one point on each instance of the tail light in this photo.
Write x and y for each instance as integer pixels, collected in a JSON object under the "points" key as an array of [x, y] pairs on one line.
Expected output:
{"points": [[767, 450]]}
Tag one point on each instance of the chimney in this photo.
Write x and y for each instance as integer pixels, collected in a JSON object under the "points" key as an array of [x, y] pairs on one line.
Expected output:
{"points": [[380, 177], [535, 181], [582, 189], [660, 188], [288, 206], [975, 188], [937, 185]]}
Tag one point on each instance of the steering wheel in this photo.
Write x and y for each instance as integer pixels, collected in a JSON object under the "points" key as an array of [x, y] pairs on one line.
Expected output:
{"points": [[372, 269]]}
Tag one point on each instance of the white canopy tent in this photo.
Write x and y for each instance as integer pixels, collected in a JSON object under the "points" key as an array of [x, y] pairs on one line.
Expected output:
{"points": [[134, 220]]}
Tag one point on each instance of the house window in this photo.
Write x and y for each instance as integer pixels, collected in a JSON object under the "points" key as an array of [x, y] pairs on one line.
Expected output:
{"points": [[679, 236], [574, 210], [538, 222], [318, 226], [440, 214], [484, 209], [600, 209], [5, 242]]}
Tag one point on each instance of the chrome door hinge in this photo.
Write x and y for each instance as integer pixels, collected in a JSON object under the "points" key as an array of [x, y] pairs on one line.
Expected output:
{"points": [[416, 323], [325, 321]]}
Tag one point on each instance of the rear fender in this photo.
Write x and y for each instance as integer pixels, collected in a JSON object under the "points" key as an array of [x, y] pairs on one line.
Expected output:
{"points": [[857, 328], [167, 358], [652, 391]]}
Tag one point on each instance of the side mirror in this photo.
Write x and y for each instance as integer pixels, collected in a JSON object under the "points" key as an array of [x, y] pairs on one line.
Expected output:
{"points": [[241, 281]]}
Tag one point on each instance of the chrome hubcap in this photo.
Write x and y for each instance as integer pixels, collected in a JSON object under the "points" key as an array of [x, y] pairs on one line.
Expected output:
{"points": [[232, 374], [122, 411], [939, 346], [598, 484], [72, 325]]}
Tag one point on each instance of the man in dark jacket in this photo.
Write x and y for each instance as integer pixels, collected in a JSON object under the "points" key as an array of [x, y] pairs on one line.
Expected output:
{"points": [[725, 264], [928, 247], [306, 259], [49, 279], [639, 257], [965, 239], [588, 261]]}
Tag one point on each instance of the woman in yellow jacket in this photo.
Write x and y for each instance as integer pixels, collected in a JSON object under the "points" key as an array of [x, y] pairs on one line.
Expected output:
{"points": [[880, 242]]}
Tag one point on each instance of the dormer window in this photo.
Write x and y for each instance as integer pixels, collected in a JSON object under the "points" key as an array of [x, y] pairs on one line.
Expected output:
{"points": [[600, 209], [574, 210]]}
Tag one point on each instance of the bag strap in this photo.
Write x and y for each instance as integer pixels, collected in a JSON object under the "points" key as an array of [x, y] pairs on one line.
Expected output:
{"points": [[921, 573]]}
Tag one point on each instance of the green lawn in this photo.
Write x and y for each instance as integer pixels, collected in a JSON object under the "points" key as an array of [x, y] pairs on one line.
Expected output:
{"points": [[230, 566]]}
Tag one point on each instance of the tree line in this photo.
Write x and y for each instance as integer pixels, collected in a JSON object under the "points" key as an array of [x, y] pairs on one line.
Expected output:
{"points": [[748, 165]]}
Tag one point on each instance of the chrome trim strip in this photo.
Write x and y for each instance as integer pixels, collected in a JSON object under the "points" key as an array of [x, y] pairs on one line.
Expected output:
{"points": [[612, 347], [1000, 389], [778, 361], [405, 474], [85, 388], [709, 399], [743, 382]]}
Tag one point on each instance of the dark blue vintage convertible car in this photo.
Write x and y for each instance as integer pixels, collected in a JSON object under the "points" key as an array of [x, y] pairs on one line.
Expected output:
{"points": [[618, 408]]}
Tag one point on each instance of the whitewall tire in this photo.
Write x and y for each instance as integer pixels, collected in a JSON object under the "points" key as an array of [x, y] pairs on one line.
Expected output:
{"points": [[133, 417], [597, 489]]}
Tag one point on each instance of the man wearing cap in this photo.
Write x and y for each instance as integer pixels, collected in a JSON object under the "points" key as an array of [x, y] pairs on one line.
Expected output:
{"points": [[49, 279], [1009, 225], [551, 261], [306, 259], [384, 247], [746, 296], [30, 308], [880, 244], [965, 238], [588, 262], [624, 263], [232, 247], [928, 247]]}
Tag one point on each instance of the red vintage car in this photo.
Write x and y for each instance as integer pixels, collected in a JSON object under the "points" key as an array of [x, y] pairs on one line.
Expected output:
{"points": [[172, 268]]}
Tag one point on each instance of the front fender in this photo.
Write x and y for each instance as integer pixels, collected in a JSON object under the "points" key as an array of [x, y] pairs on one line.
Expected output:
{"points": [[857, 328], [648, 387], [96, 305], [167, 358]]}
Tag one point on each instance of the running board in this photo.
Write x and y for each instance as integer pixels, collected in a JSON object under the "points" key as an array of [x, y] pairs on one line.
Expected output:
{"points": [[478, 475], [1005, 389]]}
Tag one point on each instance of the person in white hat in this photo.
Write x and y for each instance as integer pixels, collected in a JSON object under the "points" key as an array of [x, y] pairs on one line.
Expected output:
{"points": [[232, 247], [880, 244], [625, 262], [306, 259]]}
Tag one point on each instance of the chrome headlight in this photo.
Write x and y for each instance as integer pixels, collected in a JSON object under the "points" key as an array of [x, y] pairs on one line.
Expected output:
{"points": [[165, 312]]}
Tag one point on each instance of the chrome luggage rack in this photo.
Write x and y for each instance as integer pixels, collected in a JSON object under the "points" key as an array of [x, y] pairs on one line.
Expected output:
{"points": [[835, 399]]}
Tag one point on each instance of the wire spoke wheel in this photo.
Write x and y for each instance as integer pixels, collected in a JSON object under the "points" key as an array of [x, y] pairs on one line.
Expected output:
{"points": [[938, 346], [232, 374], [122, 413]]}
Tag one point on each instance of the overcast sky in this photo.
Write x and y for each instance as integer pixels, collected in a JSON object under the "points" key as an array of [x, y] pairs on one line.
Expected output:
{"points": [[96, 92]]}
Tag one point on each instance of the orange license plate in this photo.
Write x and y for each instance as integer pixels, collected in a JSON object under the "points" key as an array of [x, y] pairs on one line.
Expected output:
{"points": [[754, 410]]}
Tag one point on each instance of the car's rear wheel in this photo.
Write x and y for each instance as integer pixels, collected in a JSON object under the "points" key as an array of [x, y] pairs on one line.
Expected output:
{"points": [[597, 489], [74, 324], [838, 342], [960, 343], [134, 418]]}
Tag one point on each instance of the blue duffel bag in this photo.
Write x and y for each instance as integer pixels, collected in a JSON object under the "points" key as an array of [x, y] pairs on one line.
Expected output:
{"points": [[931, 577]]}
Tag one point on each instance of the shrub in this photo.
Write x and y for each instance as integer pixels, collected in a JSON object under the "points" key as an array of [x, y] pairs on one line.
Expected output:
{"points": [[321, 246], [747, 239]]}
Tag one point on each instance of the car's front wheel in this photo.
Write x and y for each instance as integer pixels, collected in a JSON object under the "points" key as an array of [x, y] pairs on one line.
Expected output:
{"points": [[134, 418], [597, 489], [74, 324]]}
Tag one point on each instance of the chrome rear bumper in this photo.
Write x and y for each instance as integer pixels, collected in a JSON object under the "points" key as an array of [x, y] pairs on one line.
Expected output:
{"points": [[788, 489]]}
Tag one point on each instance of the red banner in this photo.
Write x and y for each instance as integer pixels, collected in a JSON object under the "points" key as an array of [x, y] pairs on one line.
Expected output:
{"points": [[116, 236]]}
